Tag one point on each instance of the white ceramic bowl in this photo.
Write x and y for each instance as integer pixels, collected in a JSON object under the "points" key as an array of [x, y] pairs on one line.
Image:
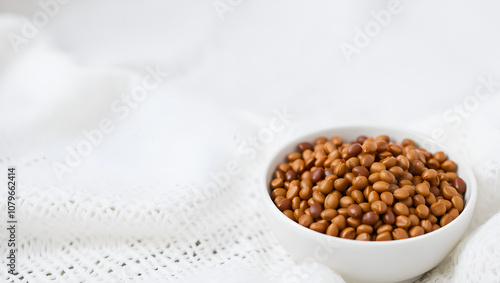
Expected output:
{"points": [[359, 261]]}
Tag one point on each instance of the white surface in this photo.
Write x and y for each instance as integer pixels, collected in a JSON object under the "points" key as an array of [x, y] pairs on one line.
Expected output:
{"points": [[225, 78]]}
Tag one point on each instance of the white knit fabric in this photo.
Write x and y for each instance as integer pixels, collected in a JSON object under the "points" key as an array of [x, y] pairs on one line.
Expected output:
{"points": [[138, 208], [67, 234]]}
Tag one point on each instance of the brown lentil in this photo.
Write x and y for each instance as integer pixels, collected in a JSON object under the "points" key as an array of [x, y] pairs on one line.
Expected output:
{"points": [[349, 177], [357, 196], [353, 222], [354, 210], [319, 227], [331, 201], [279, 175], [378, 224], [373, 196], [317, 174], [306, 220], [348, 233], [305, 145], [433, 164], [284, 204], [346, 201], [459, 184], [388, 161], [320, 161], [401, 209], [449, 192], [454, 213], [402, 221], [440, 156], [438, 209], [430, 199], [377, 167], [361, 139], [422, 189], [277, 183], [296, 203], [293, 156], [414, 220], [399, 233], [416, 231], [458, 203], [373, 178], [432, 218], [388, 217], [427, 225], [365, 206], [341, 184], [328, 214], [386, 236], [343, 211], [305, 193], [418, 200], [360, 182], [326, 186], [290, 175], [332, 230], [395, 149], [315, 210], [369, 147], [379, 207], [387, 176], [445, 220], [363, 237], [278, 192], [310, 202], [408, 202], [403, 162], [309, 163], [370, 218], [366, 160], [329, 147], [447, 203], [278, 199], [410, 188], [384, 228], [354, 150], [320, 140], [303, 205], [417, 167], [449, 166], [422, 211], [381, 186], [401, 194], [364, 228], [318, 197], [381, 145], [387, 197], [339, 221], [289, 214], [292, 192]]}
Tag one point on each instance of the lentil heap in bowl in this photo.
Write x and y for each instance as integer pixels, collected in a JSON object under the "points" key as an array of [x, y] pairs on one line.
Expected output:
{"points": [[339, 196]]}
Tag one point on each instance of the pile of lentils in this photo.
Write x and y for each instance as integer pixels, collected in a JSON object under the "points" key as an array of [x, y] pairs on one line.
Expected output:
{"points": [[370, 189]]}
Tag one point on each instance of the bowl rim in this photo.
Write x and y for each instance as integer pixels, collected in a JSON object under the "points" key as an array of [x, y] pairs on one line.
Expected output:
{"points": [[468, 208]]}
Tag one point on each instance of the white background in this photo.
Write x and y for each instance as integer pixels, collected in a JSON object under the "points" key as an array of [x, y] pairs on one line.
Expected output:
{"points": [[227, 73]]}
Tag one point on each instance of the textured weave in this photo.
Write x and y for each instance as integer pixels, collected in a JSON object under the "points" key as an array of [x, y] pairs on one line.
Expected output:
{"points": [[69, 235]]}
